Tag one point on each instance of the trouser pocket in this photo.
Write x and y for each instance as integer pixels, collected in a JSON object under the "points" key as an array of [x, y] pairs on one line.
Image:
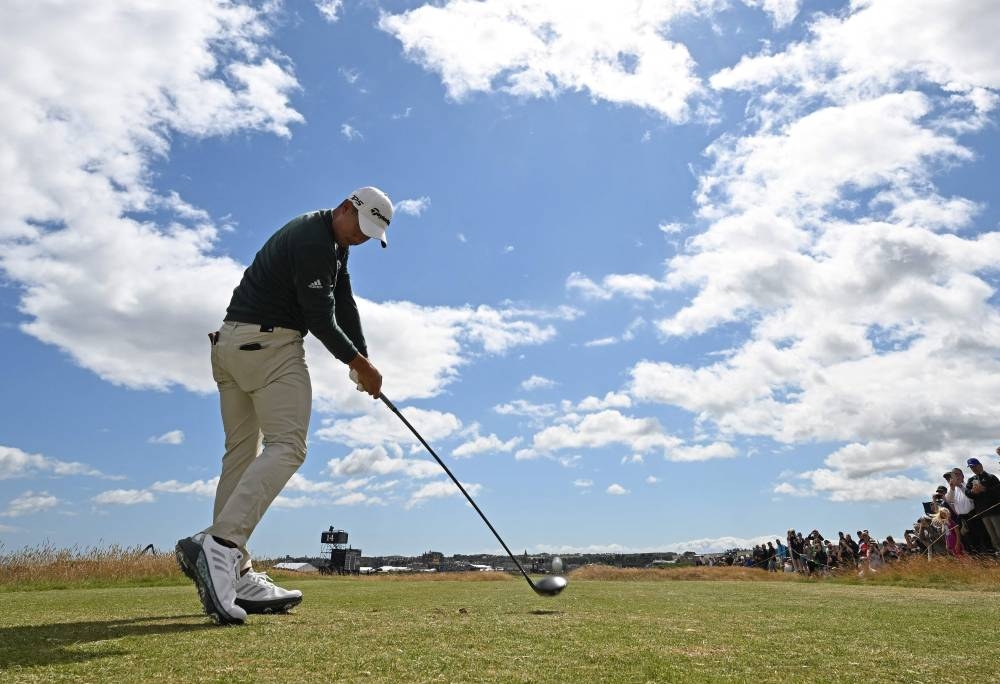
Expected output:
{"points": [[254, 358]]}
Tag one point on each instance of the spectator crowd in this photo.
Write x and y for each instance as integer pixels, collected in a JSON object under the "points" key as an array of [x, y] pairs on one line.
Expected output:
{"points": [[962, 518]]}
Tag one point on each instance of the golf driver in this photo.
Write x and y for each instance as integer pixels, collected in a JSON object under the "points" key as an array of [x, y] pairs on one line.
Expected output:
{"points": [[550, 585]]}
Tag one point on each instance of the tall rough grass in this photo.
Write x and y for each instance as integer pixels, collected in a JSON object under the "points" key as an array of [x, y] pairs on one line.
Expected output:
{"points": [[49, 567], [703, 572], [437, 576], [942, 572]]}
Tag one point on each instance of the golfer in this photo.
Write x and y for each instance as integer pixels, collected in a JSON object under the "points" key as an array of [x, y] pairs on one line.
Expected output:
{"points": [[297, 283]]}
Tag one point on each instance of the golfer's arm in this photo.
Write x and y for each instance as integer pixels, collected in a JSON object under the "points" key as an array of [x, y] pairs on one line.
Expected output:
{"points": [[317, 304], [347, 315]]}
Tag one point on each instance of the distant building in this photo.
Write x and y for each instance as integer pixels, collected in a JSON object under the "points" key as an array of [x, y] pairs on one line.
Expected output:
{"points": [[345, 561], [296, 567], [432, 559]]}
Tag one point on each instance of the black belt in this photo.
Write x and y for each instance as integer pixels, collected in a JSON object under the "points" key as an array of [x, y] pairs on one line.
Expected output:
{"points": [[263, 328]]}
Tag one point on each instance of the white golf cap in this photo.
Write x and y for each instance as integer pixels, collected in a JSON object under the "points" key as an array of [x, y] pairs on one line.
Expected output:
{"points": [[374, 212]]}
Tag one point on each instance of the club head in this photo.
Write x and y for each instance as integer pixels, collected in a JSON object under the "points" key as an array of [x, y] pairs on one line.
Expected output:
{"points": [[550, 585]]}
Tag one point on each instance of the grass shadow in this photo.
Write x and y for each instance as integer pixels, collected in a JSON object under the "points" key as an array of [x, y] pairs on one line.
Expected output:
{"points": [[545, 612], [54, 644]]}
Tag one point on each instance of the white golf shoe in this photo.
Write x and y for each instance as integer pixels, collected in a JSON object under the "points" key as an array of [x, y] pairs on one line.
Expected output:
{"points": [[257, 593], [214, 569]]}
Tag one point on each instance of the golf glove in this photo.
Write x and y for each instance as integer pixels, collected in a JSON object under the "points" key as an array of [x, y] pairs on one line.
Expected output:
{"points": [[354, 378]]}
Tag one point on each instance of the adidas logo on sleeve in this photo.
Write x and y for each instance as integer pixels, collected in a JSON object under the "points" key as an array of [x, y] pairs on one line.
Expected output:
{"points": [[315, 285]]}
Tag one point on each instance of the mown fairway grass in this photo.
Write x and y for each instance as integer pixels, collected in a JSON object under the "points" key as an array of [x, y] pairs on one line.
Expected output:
{"points": [[409, 630]]}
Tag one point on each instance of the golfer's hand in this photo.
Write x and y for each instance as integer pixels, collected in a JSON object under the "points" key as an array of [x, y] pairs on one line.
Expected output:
{"points": [[369, 378]]}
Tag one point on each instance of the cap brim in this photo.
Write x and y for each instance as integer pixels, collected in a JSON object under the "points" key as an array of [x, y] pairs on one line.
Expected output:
{"points": [[372, 229]]}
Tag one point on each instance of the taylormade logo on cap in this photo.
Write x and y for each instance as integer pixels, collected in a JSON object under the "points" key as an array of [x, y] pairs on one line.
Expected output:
{"points": [[374, 212]]}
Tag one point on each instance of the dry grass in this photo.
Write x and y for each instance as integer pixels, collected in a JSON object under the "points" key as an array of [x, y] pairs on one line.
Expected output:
{"points": [[48, 567], [429, 576], [942, 572], [608, 573]]}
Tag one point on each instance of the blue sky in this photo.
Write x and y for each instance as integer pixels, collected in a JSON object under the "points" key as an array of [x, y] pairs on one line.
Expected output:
{"points": [[661, 277]]}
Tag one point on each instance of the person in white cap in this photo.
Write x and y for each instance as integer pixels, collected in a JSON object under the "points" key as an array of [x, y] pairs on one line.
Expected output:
{"points": [[298, 283]]}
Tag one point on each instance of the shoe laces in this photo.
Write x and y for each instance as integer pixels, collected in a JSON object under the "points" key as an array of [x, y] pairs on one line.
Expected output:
{"points": [[237, 559], [259, 577]]}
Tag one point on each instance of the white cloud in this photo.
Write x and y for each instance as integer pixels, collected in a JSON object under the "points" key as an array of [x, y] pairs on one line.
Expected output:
{"points": [[499, 330], [350, 132], [791, 490], [568, 461], [601, 342], [783, 12], [864, 294], [604, 428], [17, 463], [630, 285], [295, 502], [419, 350], [719, 544], [610, 400], [350, 75], [652, 479], [701, 452], [585, 286], [300, 483], [945, 44], [29, 503], [559, 313], [350, 499], [838, 487], [413, 207], [536, 382], [383, 426], [617, 490], [526, 455], [124, 497], [377, 461], [617, 52], [205, 488], [583, 483], [173, 437], [440, 490], [479, 445], [356, 498], [627, 336], [527, 409], [96, 276], [330, 9]]}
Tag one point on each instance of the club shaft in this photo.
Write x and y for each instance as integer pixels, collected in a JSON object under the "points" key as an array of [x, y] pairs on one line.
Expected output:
{"points": [[458, 484]]}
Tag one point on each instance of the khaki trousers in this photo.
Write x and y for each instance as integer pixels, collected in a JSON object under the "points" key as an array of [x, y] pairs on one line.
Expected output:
{"points": [[266, 398]]}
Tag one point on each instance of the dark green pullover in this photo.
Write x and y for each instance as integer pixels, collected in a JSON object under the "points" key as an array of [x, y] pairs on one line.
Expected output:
{"points": [[299, 280]]}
